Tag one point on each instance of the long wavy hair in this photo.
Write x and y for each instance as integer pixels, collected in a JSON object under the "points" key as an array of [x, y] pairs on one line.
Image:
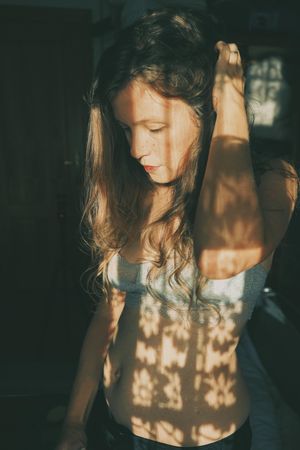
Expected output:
{"points": [[171, 50]]}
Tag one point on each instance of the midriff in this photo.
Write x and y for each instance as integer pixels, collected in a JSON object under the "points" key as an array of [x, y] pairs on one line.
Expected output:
{"points": [[175, 384]]}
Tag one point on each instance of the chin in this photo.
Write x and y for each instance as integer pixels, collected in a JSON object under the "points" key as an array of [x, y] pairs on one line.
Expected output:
{"points": [[161, 181]]}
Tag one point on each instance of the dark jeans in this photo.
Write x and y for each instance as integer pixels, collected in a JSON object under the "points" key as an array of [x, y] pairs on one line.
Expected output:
{"points": [[119, 437]]}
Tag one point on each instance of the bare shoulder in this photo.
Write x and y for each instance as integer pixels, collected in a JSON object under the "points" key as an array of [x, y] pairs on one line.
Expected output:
{"points": [[282, 179], [277, 191]]}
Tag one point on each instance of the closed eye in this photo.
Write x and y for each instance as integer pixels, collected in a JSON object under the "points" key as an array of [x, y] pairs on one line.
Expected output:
{"points": [[156, 130], [153, 130]]}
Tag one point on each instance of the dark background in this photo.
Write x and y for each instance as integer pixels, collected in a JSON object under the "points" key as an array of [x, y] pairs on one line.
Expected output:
{"points": [[47, 58]]}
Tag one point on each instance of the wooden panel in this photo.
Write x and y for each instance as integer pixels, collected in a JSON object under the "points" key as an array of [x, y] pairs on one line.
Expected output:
{"points": [[45, 73]]}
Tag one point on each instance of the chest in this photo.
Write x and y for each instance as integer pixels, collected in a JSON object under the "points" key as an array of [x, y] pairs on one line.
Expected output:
{"points": [[139, 247]]}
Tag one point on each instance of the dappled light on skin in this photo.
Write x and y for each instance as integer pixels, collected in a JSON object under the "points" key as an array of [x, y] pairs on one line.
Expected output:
{"points": [[227, 263], [220, 392], [199, 363], [179, 374], [178, 370], [171, 374], [162, 355], [169, 356], [217, 357], [232, 219], [171, 393], [174, 351], [166, 429], [210, 432], [159, 130], [149, 322], [143, 388], [235, 209], [221, 333], [161, 362], [143, 426], [146, 354]]}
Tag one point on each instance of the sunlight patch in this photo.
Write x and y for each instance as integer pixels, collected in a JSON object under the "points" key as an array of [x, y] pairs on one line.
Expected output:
{"points": [[209, 432], [220, 393], [146, 353], [142, 388], [173, 392]]}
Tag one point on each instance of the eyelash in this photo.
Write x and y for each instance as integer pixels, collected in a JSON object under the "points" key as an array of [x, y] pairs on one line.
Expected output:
{"points": [[156, 130]]}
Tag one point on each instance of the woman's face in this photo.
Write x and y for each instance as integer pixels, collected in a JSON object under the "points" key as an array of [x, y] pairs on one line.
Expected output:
{"points": [[159, 130]]}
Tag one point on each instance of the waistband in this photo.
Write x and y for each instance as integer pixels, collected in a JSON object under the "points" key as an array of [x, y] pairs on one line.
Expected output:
{"points": [[121, 437]]}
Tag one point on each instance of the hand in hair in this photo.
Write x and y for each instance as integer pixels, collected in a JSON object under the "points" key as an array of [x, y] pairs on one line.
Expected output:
{"points": [[229, 78]]}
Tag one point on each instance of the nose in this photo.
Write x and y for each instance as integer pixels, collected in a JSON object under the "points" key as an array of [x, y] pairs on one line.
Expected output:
{"points": [[139, 145]]}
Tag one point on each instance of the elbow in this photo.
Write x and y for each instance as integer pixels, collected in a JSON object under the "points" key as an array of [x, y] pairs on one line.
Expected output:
{"points": [[212, 271], [213, 265], [223, 264]]}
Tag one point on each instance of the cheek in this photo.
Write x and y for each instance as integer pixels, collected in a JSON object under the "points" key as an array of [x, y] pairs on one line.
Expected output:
{"points": [[182, 144], [175, 144]]}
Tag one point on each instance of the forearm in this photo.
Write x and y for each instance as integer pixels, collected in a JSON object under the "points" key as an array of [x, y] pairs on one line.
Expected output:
{"points": [[86, 382], [228, 214], [89, 373]]}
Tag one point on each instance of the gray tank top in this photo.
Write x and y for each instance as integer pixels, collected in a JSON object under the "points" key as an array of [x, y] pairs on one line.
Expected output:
{"points": [[235, 297]]}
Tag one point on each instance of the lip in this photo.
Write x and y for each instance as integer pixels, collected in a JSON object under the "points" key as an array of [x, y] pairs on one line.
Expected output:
{"points": [[150, 168]]}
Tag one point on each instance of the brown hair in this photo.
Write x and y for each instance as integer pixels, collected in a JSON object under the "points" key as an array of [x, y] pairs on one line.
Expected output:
{"points": [[171, 50]]}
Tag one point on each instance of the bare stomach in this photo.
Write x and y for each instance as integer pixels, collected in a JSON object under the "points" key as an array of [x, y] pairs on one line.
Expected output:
{"points": [[174, 384]]}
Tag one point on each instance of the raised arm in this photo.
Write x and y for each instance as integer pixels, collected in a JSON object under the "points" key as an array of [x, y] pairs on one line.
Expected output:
{"points": [[94, 350], [237, 225]]}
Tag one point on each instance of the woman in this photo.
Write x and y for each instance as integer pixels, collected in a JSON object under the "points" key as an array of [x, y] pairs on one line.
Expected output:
{"points": [[183, 229]]}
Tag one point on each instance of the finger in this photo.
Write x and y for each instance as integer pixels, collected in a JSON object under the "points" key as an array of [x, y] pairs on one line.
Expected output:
{"points": [[224, 51], [221, 47], [228, 52], [234, 55], [233, 47]]}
